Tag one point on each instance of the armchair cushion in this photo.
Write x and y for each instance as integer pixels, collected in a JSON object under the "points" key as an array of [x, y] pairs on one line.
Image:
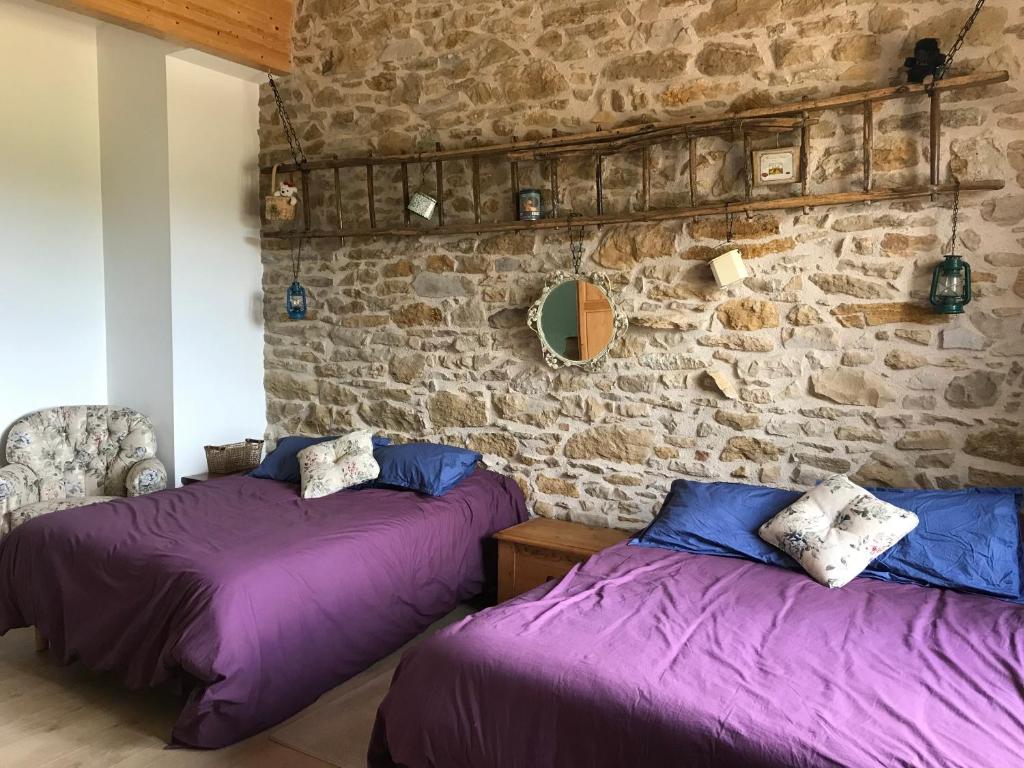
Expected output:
{"points": [[27, 511], [146, 476]]}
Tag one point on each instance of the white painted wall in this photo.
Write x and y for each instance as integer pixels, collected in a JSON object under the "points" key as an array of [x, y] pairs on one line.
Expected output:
{"points": [[51, 256], [136, 227], [184, 344], [216, 304], [131, 257]]}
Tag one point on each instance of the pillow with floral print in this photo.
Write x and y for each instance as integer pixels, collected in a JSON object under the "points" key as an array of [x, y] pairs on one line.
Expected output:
{"points": [[835, 530], [332, 466]]}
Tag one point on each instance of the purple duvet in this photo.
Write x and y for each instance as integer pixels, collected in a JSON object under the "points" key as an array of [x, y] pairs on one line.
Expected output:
{"points": [[649, 658], [256, 598]]}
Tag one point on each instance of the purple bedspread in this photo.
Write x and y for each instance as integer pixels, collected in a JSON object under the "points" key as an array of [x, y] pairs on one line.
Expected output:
{"points": [[650, 658], [262, 599]]}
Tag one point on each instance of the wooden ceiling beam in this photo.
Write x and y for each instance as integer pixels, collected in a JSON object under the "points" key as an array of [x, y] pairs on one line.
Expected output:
{"points": [[256, 33]]}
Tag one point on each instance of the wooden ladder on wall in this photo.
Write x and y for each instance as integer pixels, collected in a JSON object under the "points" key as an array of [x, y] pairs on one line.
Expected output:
{"points": [[740, 128]]}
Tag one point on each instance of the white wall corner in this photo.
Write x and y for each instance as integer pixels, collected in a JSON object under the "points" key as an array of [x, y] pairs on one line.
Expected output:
{"points": [[136, 227]]}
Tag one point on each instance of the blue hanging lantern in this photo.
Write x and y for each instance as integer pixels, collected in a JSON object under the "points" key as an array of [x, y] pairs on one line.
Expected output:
{"points": [[295, 302], [951, 281]]}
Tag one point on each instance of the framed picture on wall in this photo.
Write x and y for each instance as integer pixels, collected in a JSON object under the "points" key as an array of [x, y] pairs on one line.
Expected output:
{"points": [[776, 166]]}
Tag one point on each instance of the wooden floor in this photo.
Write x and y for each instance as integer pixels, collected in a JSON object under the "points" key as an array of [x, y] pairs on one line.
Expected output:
{"points": [[67, 717]]}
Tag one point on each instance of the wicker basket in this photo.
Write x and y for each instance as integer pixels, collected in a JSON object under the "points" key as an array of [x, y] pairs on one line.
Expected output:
{"points": [[277, 208], [236, 457]]}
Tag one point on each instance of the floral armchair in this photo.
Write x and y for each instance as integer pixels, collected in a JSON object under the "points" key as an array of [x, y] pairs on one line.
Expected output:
{"points": [[69, 457]]}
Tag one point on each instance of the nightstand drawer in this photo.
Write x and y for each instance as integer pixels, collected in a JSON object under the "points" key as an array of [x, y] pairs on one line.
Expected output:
{"points": [[532, 567], [541, 550]]}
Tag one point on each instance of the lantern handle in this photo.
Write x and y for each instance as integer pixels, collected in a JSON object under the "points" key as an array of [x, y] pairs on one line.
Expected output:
{"points": [[935, 287]]}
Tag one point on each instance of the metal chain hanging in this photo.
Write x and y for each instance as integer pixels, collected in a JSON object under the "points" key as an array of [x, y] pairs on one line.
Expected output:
{"points": [[289, 132], [728, 224], [575, 243], [955, 48], [939, 74], [956, 216], [297, 259]]}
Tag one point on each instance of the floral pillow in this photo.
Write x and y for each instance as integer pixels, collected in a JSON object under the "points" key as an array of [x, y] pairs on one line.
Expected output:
{"points": [[329, 467], [835, 530]]}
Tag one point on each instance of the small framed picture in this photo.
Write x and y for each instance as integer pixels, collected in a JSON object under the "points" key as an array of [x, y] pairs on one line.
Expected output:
{"points": [[776, 166]]}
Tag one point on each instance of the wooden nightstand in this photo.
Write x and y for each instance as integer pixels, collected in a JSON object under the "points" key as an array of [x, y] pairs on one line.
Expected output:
{"points": [[202, 477], [539, 550]]}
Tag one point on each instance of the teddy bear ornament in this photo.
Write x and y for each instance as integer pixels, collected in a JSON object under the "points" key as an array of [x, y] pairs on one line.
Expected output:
{"points": [[289, 191]]}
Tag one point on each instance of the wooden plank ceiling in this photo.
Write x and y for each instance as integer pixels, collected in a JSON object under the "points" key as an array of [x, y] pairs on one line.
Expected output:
{"points": [[256, 33]]}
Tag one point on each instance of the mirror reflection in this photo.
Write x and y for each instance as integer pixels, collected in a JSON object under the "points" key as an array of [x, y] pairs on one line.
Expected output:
{"points": [[577, 320]]}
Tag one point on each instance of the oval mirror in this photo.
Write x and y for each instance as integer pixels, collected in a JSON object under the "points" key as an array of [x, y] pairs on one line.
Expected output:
{"points": [[577, 320]]}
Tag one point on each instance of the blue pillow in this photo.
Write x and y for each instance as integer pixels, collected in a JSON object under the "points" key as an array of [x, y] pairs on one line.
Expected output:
{"points": [[967, 539], [282, 463], [424, 467], [719, 519]]}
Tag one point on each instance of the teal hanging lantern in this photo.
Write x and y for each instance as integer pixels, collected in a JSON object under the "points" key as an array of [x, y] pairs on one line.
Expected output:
{"points": [[951, 285], [951, 281], [295, 301]]}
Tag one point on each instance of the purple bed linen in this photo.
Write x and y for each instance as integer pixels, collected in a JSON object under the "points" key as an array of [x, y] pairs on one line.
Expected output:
{"points": [[644, 657], [259, 598]]}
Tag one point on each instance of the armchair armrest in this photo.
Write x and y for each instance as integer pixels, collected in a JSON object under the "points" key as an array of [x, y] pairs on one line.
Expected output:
{"points": [[146, 476], [19, 486]]}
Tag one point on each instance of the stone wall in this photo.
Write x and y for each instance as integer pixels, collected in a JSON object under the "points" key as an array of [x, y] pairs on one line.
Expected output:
{"points": [[827, 359]]}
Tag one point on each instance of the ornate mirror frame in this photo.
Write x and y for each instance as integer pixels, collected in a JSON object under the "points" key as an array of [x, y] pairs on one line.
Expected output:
{"points": [[619, 320]]}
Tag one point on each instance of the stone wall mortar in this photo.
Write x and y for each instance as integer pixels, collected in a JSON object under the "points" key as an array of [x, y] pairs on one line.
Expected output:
{"points": [[825, 360]]}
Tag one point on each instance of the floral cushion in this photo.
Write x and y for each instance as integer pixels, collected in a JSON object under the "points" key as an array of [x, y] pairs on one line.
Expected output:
{"points": [[337, 464], [26, 512], [835, 530]]}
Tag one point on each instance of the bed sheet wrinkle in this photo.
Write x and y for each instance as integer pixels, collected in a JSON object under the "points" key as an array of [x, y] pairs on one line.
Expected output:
{"points": [[667, 655], [572, 591]]}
